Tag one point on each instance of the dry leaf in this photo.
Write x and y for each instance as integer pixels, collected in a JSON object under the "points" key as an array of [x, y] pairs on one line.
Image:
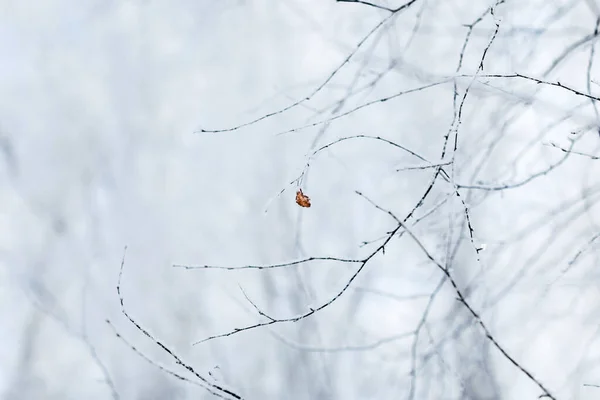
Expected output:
{"points": [[302, 199]]}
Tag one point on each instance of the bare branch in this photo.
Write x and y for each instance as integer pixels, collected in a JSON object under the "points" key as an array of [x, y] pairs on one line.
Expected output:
{"points": [[536, 80], [272, 266], [392, 10], [366, 3], [573, 151], [318, 89], [475, 315], [153, 363], [365, 105], [343, 139], [210, 387], [524, 181]]}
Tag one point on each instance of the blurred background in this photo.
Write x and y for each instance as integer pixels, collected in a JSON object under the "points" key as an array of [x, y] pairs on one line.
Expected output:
{"points": [[101, 147]]}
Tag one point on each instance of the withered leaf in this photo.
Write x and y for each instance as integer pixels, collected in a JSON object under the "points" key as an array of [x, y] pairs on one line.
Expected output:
{"points": [[301, 199]]}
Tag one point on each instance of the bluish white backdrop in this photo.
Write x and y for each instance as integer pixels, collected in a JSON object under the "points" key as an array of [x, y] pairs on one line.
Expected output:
{"points": [[101, 103]]}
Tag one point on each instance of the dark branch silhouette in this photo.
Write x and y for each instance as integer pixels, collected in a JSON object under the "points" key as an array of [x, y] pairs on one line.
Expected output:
{"points": [[211, 387]]}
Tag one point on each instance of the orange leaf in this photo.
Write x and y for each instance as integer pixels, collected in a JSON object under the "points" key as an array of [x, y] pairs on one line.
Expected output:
{"points": [[302, 199]]}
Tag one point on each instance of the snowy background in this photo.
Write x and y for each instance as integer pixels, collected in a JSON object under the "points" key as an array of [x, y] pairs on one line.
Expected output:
{"points": [[101, 107]]}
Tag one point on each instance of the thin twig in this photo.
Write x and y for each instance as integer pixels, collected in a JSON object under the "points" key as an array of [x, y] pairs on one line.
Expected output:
{"points": [[211, 387], [475, 315], [271, 266]]}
